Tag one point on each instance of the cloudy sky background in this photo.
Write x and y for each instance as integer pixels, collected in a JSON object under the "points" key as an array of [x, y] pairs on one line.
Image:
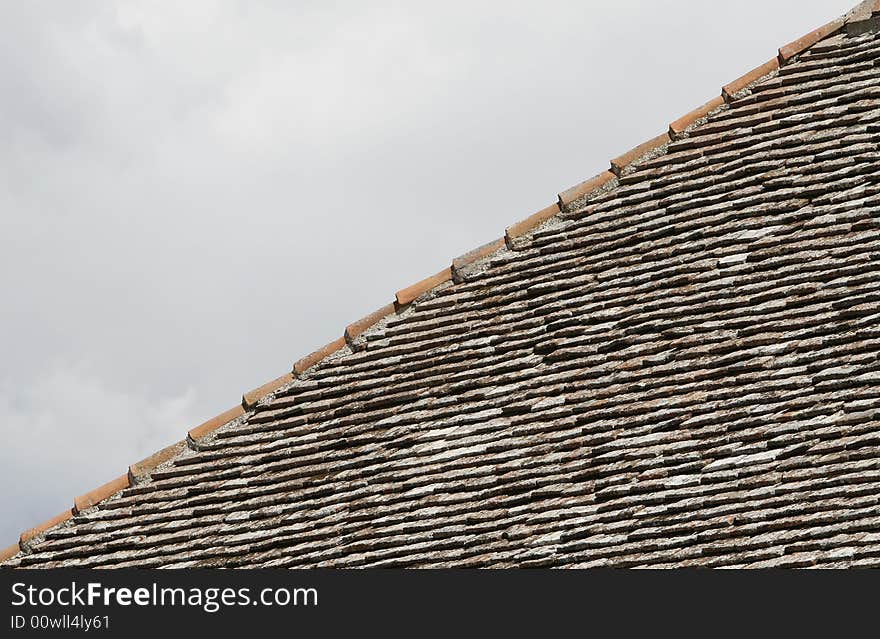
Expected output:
{"points": [[194, 195]]}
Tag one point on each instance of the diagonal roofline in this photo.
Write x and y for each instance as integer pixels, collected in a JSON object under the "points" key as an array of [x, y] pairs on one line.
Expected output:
{"points": [[864, 16]]}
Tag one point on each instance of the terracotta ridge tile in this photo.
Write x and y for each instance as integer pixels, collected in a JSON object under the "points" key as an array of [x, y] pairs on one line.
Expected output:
{"points": [[524, 226], [743, 81], [313, 358], [862, 11], [406, 295], [250, 399], [866, 12], [38, 530], [475, 255], [619, 163], [145, 466], [681, 124], [99, 494], [356, 328], [10, 552], [803, 43], [215, 422], [587, 186]]}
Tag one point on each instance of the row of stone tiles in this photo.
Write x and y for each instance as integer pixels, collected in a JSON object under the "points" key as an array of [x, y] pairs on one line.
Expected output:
{"points": [[858, 247], [464, 464], [819, 369], [820, 266], [628, 259], [734, 154], [737, 136], [817, 332], [614, 534], [835, 296]]}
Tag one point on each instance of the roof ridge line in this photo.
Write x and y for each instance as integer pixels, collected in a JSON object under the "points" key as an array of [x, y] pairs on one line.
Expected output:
{"points": [[602, 182]]}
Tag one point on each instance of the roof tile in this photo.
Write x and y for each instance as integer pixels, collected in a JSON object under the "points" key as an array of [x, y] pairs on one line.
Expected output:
{"points": [[356, 328], [536, 219], [862, 12], [803, 43], [145, 466], [311, 359], [410, 293], [475, 255], [36, 531], [216, 422], [754, 75], [99, 494], [682, 123], [10, 552], [249, 399], [619, 163], [587, 186]]}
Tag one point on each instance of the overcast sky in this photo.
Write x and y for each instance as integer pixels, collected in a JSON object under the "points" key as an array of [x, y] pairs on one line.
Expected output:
{"points": [[195, 194]]}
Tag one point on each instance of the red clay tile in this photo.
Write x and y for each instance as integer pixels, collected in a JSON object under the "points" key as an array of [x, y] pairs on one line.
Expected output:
{"points": [[862, 12], [803, 43], [250, 399], [407, 295], [682, 123], [84, 502], [313, 358], [743, 81], [524, 226], [356, 328], [621, 162], [477, 254], [9, 553], [216, 422], [36, 531], [145, 466], [579, 190]]}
